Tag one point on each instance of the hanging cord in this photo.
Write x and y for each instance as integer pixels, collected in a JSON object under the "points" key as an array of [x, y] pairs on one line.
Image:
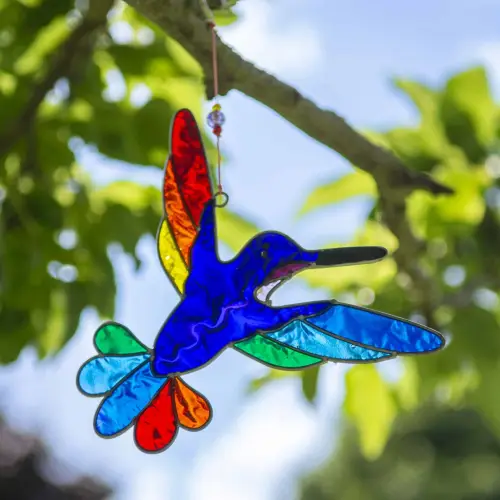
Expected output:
{"points": [[216, 119]]}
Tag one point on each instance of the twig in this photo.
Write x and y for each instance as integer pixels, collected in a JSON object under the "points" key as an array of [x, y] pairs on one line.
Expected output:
{"points": [[184, 20]]}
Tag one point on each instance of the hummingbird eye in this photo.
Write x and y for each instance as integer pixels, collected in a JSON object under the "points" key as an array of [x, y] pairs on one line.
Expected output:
{"points": [[264, 254]]}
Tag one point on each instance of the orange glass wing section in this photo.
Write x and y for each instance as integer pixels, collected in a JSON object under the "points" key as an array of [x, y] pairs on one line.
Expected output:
{"points": [[183, 229], [193, 410]]}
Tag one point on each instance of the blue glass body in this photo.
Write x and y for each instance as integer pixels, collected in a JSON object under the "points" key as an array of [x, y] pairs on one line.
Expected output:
{"points": [[220, 307]]}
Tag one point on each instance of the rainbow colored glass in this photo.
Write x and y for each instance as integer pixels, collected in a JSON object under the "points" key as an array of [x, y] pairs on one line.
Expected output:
{"points": [[226, 304]]}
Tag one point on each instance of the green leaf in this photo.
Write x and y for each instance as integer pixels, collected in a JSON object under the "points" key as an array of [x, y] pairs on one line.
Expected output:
{"points": [[224, 17], [485, 396], [370, 405], [125, 204], [357, 183], [153, 138], [475, 335], [469, 113], [47, 40], [466, 205], [310, 383], [271, 376], [17, 331], [425, 99], [132, 196], [407, 387], [48, 194], [137, 59], [417, 148], [54, 335]]}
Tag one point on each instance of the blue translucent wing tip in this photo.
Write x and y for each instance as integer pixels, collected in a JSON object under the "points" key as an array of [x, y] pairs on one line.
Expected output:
{"points": [[435, 341], [377, 330], [307, 338], [101, 373]]}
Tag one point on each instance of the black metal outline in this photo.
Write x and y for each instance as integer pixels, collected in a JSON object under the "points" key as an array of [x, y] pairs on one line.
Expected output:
{"points": [[224, 201]]}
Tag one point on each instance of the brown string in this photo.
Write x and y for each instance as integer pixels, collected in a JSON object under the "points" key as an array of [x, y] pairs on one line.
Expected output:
{"points": [[219, 176], [214, 61], [217, 131]]}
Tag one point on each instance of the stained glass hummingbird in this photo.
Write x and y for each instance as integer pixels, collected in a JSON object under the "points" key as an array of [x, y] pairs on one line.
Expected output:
{"points": [[227, 304]]}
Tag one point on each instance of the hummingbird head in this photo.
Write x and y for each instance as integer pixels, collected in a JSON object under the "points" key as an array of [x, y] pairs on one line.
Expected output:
{"points": [[272, 258]]}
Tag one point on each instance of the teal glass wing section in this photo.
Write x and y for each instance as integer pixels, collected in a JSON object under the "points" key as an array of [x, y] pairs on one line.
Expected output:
{"points": [[305, 337]]}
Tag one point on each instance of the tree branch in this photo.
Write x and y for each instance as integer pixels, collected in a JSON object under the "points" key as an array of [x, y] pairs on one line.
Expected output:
{"points": [[183, 20], [408, 255]]}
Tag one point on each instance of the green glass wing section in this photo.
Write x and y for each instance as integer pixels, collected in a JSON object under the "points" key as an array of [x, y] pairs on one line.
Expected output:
{"points": [[113, 338], [275, 354]]}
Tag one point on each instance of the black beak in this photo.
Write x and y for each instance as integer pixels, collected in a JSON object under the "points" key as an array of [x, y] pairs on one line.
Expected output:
{"points": [[350, 255]]}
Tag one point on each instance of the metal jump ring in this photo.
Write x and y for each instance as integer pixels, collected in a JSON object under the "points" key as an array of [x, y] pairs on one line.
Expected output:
{"points": [[224, 201]]}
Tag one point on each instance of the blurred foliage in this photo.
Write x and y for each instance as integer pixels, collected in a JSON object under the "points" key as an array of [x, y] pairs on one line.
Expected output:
{"points": [[432, 455], [457, 141], [80, 77], [86, 76]]}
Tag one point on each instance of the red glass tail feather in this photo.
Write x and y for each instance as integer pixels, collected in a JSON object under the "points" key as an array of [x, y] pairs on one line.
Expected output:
{"points": [[157, 427], [177, 404]]}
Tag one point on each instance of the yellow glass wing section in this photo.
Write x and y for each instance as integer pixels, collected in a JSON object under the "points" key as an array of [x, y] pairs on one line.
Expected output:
{"points": [[171, 258]]}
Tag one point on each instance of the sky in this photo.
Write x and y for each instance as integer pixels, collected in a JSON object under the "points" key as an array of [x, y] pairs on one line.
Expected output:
{"points": [[342, 55]]}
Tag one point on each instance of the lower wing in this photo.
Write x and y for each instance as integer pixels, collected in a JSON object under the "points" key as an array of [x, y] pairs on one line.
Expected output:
{"points": [[341, 333]]}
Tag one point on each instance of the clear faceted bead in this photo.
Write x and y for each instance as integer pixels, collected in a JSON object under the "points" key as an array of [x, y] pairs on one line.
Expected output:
{"points": [[216, 118]]}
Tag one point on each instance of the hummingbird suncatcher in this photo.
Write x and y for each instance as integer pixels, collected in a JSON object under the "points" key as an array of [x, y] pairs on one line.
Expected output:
{"points": [[227, 304]]}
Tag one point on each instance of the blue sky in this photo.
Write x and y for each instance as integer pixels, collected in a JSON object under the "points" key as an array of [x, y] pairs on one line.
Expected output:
{"points": [[342, 55]]}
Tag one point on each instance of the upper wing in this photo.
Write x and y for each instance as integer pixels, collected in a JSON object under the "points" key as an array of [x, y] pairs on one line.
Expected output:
{"points": [[186, 190], [344, 333]]}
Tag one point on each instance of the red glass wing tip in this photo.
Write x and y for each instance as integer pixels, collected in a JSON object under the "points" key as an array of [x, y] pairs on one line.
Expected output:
{"points": [[156, 427], [190, 167]]}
